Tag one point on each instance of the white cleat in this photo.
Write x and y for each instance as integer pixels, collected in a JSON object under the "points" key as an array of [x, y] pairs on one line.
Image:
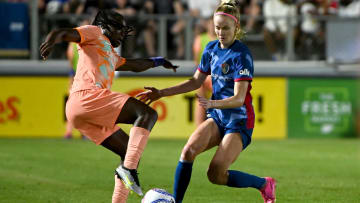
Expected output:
{"points": [[130, 179]]}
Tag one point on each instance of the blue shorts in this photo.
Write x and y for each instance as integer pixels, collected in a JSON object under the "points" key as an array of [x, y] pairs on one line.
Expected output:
{"points": [[239, 127]]}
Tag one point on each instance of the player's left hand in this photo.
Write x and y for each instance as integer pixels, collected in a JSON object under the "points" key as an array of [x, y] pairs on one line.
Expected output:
{"points": [[168, 65], [205, 103]]}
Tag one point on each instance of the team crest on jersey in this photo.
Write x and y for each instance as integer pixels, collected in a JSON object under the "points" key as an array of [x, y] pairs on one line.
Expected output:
{"points": [[225, 68]]}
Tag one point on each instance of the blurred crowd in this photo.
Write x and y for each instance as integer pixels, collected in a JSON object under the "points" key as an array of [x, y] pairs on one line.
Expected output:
{"points": [[269, 20]]}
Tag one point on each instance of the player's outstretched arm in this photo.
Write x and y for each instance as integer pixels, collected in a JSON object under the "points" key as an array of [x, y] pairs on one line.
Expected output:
{"points": [[140, 65], [57, 36], [153, 94]]}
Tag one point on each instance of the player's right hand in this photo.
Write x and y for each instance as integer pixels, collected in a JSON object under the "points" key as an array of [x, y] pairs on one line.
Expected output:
{"points": [[152, 94]]}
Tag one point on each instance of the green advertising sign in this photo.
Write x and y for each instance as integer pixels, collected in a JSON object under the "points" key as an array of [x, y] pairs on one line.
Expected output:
{"points": [[322, 107]]}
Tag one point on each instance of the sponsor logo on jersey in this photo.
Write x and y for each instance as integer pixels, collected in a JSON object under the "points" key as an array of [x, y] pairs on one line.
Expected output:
{"points": [[220, 77], [225, 68], [244, 72]]}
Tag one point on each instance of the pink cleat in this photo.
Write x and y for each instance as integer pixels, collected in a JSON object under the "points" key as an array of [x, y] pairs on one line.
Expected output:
{"points": [[268, 192]]}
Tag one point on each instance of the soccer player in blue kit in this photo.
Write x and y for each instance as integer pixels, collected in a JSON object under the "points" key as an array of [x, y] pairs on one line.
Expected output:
{"points": [[230, 115]]}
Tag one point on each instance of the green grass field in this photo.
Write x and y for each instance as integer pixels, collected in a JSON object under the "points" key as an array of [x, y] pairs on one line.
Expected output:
{"points": [[56, 170]]}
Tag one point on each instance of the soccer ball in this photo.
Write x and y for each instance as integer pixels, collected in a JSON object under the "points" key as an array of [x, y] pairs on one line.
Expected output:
{"points": [[157, 195]]}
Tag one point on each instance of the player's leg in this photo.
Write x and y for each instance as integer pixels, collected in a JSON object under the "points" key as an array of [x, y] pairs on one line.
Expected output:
{"points": [[137, 113], [68, 131], [98, 125], [120, 193], [228, 151], [117, 143], [143, 119], [206, 136]]}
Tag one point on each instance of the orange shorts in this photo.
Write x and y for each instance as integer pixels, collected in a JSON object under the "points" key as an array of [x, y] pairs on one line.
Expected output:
{"points": [[94, 112]]}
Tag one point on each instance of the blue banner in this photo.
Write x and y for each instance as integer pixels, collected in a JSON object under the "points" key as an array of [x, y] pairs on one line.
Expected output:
{"points": [[14, 26]]}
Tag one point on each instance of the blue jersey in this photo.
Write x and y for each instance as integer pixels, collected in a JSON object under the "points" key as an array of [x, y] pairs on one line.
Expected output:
{"points": [[227, 66]]}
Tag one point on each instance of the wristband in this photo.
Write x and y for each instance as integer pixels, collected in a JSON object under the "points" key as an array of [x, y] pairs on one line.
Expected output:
{"points": [[158, 61], [71, 73]]}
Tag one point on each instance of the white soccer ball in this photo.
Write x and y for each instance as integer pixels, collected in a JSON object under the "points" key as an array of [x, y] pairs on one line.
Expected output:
{"points": [[157, 195]]}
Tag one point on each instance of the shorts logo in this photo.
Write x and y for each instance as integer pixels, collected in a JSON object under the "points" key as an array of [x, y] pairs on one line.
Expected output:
{"points": [[225, 68], [244, 72]]}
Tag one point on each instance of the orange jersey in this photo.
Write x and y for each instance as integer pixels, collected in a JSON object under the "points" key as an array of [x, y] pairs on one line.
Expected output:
{"points": [[97, 60]]}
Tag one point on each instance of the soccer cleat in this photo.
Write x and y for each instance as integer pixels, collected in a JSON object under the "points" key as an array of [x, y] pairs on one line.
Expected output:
{"points": [[68, 136], [130, 179], [268, 192], [83, 137]]}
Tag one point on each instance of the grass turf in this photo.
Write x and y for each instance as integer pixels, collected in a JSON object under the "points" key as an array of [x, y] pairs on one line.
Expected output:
{"points": [[56, 170]]}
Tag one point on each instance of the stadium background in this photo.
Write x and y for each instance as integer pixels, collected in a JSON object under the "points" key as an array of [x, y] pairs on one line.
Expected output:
{"points": [[306, 105], [287, 104]]}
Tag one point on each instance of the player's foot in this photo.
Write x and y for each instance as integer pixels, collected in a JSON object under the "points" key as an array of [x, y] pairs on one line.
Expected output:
{"points": [[68, 136], [268, 192], [129, 178]]}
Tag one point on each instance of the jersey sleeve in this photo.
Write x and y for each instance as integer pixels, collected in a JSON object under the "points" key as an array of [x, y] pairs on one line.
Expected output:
{"points": [[204, 65], [88, 33], [245, 68]]}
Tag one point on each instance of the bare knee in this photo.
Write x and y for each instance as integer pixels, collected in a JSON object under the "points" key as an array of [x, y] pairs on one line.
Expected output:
{"points": [[217, 174], [188, 153]]}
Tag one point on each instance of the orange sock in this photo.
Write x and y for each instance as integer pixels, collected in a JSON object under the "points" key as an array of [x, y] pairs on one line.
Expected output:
{"points": [[120, 194], [137, 141]]}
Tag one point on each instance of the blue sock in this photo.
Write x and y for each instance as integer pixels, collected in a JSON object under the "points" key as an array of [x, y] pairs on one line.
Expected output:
{"points": [[242, 180], [182, 180]]}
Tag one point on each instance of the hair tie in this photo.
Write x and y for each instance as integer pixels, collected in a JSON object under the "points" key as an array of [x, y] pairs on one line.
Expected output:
{"points": [[226, 14]]}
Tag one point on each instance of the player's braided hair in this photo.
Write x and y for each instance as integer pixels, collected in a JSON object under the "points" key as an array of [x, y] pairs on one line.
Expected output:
{"points": [[107, 18], [232, 7]]}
